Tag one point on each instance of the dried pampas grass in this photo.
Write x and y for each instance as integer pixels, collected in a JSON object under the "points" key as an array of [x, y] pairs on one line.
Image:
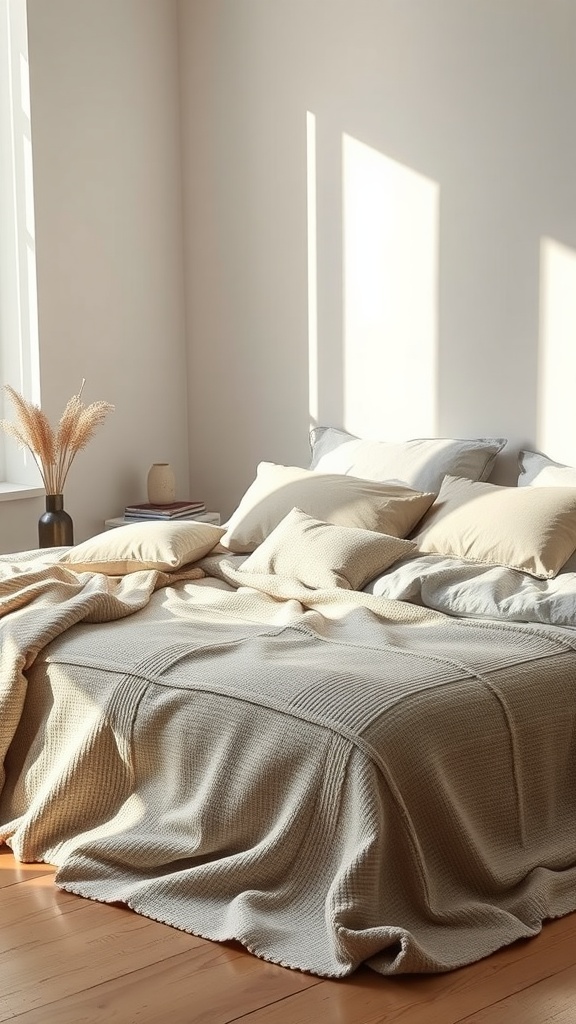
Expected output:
{"points": [[54, 451]]}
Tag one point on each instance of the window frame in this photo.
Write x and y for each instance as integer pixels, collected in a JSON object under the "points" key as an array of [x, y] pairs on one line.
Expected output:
{"points": [[19, 343]]}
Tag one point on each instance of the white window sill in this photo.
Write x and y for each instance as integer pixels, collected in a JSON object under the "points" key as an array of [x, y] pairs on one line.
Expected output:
{"points": [[11, 492]]}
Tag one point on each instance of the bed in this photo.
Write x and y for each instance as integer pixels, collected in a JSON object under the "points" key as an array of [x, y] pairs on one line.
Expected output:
{"points": [[339, 729]]}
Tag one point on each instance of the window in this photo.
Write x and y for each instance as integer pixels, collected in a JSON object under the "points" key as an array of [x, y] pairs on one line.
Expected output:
{"points": [[19, 358]]}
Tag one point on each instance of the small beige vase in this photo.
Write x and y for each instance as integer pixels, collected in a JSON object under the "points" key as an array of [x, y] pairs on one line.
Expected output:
{"points": [[161, 484]]}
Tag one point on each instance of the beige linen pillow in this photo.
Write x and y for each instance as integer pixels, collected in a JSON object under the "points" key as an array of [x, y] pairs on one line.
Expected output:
{"points": [[155, 545], [422, 462], [333, 498], [539, 471], [321, 555], [531, 529]]}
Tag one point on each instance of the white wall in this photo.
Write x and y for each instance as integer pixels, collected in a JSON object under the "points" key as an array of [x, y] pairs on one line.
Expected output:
{"points": [[105, 122], [446, 225], [442, 290]]}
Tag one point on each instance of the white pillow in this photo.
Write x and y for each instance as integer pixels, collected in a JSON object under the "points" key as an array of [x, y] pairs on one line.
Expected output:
{"points": [[333, 498], [421, 463], [531, 529], [321, 555], [154, 545], [539, 471]]}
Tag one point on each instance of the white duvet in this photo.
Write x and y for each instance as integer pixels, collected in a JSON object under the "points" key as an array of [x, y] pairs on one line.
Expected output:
{"points": [[489, 592]]}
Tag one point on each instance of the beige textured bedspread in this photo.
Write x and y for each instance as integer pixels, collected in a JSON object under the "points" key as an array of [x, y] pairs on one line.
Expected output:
{"points": [[329, 778]]}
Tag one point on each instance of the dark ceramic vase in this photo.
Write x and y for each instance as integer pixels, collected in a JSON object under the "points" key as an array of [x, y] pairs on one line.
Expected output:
{"points": [[55, 527]]}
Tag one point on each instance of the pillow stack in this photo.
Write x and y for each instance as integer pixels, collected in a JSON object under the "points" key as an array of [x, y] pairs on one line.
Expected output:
{"points": [[346, 518], [382, 507]]}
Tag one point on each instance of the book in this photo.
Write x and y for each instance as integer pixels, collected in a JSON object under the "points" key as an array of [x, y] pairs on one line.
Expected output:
{"points": [[200, 517], [134, 517], [172, 510]]}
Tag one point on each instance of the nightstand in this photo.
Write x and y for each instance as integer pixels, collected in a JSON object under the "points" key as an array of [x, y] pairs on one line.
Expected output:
{"points": [[202, 517]]}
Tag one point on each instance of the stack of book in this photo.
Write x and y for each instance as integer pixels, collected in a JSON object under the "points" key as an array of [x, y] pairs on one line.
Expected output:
{"points": [[172, 510]]}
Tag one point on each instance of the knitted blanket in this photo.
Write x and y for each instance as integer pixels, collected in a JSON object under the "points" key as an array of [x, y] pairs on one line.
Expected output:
{"points": [[327, 777]]}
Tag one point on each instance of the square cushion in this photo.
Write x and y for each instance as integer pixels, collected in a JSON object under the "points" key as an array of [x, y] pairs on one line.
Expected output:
{"points": [[322, 555], [537, 470], [333, 498], [531, 529], [421, 463], [154, 545]]}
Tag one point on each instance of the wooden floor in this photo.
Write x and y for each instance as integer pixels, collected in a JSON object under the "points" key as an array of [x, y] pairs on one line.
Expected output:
{"points": [[68, 960]]}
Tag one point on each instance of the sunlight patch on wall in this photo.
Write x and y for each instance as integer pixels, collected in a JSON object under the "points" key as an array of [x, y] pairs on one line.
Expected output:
{"points": [[391, 225], [312, 267], [556, 422]]}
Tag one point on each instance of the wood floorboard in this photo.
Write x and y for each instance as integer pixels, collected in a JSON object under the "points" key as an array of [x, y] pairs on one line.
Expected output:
{"points": [[62, 955], [435, 999], [68, 960], [177, 990], [551, 1001]]}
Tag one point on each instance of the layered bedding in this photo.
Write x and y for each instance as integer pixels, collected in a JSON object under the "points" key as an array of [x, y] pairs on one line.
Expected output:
{"points": [[329, 774]]}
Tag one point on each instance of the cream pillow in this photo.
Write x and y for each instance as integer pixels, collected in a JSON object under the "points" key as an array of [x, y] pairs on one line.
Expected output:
{"points": [[531, 529], [421, 463], [333, 498], [539, 471], [155, 545], [322, 555]]}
